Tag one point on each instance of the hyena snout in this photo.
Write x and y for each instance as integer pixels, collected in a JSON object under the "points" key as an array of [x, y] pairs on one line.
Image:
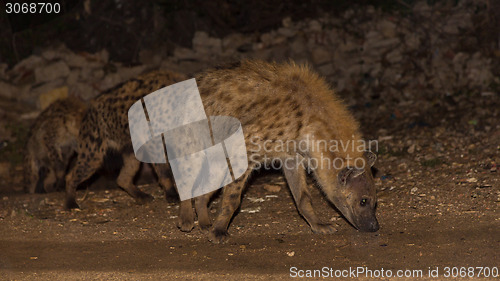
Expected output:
{"points": [[368, 224]]}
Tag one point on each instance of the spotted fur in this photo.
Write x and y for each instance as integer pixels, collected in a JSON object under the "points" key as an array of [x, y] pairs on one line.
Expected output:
{"points": [[51, 144], [283, 102]]}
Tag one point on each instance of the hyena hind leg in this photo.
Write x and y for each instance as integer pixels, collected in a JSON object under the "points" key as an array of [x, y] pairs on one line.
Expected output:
{"points": [[186, 212], [84, 168], [165, 179], [201, 206], [126, 179], [231, 200]]}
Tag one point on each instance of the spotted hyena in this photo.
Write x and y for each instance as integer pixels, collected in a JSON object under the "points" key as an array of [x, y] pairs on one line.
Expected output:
{"points": [[104, 138], [289, 103], [51, 144], [275, 103]]}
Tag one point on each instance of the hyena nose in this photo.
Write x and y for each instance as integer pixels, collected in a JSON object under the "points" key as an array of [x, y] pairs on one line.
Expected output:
{"points": [[374, 226]]}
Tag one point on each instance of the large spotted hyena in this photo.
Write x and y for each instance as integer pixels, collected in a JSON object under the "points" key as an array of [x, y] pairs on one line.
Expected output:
{"points": [[276, 104], [290, 104]]}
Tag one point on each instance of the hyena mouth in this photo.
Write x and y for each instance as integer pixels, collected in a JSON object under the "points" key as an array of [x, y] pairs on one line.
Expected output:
{"points": [[368, 226]]}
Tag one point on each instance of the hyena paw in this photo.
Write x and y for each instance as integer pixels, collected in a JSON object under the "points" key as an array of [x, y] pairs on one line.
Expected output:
{"points": [[143, 198], [324, 228], [171, 196], [218, 236], [71, 204], [185, 225], [204, 227]]}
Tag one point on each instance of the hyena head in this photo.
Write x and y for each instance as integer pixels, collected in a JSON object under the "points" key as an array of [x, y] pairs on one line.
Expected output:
{"points": [[355, 195]]}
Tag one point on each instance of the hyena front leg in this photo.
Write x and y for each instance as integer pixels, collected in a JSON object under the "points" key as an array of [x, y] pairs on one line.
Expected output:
{"points": [[231, 200], [295, 176], [126, 179]]}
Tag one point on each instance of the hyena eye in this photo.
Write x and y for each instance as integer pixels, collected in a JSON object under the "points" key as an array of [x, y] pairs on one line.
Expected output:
{"points": [[363, 202]]}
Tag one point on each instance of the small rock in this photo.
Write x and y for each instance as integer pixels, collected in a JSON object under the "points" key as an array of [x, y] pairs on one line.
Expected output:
{"points": [[103, 56], [387, 28], [326, 69], [487, 94], [290, 254], [385, 138], [3, 69], [272, 188], [280, 39], [149, 57], [256, 200], [51, 54], [51, 72], [394, 56], [234, 41], [403, 167], [315, 25], [181, 53], [321, 55], [472, 180], [204, 44], [9, 91], [287, 32], [251, 210], [267, 38], [287, 22], [414, 190], [261, 54], [412, 41], [48, 98], [30, 62], [4, 169], [98, 74], [74, 60], [298, 46], [33, 96], [83, 90], [72, 77], [127, 73], [411, 149]]}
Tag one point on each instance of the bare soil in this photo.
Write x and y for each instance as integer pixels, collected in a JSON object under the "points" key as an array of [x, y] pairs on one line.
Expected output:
{"points": [[438, 188]]}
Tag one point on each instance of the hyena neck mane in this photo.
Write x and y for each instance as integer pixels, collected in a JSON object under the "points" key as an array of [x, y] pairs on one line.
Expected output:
{"points": [[331, 131]]}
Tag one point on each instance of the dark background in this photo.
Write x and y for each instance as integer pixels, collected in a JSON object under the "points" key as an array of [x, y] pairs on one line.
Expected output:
{"points": [[124, 27]]}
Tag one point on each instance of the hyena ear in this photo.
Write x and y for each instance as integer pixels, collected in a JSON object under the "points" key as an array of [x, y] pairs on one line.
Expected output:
{"points": [[344, 175], [370, 157]]}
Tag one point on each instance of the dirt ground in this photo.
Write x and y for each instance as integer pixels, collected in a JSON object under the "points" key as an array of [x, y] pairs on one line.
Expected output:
{"points": [[438, 188]]}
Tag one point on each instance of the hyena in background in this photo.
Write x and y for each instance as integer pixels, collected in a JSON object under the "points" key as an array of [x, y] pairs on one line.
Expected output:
{"points": [[51, 144], [279, 103], [104, 140]]}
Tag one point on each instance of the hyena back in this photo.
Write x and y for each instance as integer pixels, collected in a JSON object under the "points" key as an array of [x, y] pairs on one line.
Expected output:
{"points": [[279, 103], [51, 144]]}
